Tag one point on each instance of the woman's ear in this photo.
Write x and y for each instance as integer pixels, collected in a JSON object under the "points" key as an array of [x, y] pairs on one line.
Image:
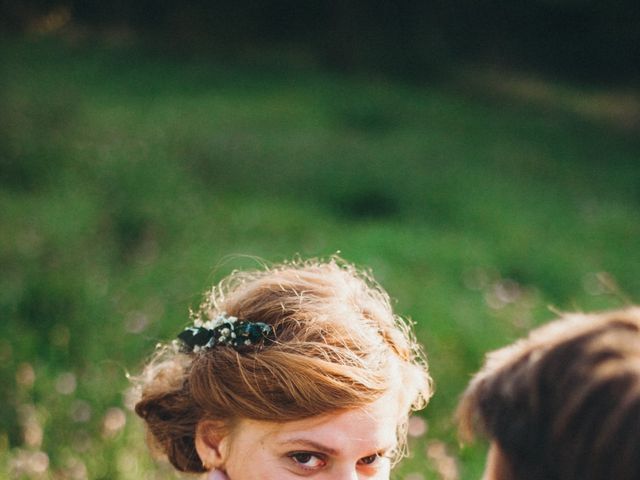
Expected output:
{"points": [[211, 443]]}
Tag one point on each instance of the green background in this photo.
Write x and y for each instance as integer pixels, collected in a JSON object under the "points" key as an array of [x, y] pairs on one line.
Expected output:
{"points": [[131, 181]]}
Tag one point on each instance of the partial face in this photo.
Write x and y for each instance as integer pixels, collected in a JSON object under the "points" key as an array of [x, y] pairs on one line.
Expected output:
{"points": [[354, 444], [495, 468]]}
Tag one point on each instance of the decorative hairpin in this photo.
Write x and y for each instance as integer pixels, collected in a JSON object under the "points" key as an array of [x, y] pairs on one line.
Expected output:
{"points": [[223, 330]]}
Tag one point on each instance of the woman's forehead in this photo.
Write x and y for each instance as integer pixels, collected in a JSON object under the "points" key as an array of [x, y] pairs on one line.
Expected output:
{"points": [[371, 428]]}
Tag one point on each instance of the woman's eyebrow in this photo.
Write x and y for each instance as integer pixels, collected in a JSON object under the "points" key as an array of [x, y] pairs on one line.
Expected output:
{"points": [[318, 447], [306, 443]]}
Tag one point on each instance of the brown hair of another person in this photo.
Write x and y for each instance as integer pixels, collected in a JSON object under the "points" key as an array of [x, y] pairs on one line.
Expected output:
{"points": [[564, 403]]}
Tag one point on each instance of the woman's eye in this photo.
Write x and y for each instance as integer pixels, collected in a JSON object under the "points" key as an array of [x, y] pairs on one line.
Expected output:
{"points": [[369, 460], [307, 460]]}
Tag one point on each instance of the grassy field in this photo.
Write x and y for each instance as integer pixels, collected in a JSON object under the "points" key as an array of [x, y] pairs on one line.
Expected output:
{"points": [[131, 180]]}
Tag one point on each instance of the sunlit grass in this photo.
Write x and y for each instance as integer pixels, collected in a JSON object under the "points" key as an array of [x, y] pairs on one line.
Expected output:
{"points": [[132, 181]]}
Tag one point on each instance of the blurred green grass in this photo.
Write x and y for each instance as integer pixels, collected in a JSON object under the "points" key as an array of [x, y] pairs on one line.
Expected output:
{"points": [[132, 180]]}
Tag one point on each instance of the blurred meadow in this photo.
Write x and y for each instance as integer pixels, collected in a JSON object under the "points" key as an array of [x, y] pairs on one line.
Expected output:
{"points": [[133, 178]]}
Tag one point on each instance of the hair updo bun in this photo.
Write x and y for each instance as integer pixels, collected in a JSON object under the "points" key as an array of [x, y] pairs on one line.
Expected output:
{"points": [[337, 345]]}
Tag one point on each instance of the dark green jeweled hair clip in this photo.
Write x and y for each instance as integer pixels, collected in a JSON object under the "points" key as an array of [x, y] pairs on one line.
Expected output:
{"points": [[224, 330]]}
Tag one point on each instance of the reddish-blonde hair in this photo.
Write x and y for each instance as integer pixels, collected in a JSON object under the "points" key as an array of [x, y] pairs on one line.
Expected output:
{"points": [[563, 403], [337, 346]]}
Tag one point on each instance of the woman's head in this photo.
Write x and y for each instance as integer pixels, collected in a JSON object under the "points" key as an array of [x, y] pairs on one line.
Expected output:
{"points": [[563, 403], [336, 347]]}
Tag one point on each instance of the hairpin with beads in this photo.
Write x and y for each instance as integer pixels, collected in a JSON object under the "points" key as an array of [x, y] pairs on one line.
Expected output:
{"points": [[224, 330]]}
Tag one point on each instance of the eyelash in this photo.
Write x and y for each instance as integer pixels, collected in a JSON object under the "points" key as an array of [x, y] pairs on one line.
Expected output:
{"points": [[295, 456], [374, 458], [307, 456]]}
